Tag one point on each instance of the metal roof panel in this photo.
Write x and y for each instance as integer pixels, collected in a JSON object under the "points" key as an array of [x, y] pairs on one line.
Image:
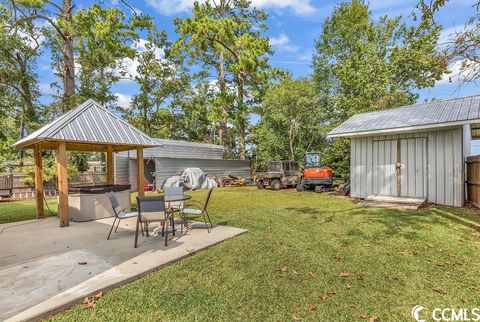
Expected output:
{"points": [[89, 123], [426, 114]]}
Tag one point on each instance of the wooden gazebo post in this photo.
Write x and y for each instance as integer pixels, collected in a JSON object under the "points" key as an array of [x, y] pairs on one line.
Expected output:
{"points": [[110, 172], [140, 172], [62, 176], [37, 155]]}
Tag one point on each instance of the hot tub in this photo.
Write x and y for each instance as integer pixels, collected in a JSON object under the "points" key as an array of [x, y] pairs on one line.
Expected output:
{"points": [[91, 202]]}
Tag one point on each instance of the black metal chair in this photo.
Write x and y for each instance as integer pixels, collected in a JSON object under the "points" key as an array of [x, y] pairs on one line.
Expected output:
{"points": [[198, 209], [175, 206], [174, 191], [152, 209], [119, 212]]}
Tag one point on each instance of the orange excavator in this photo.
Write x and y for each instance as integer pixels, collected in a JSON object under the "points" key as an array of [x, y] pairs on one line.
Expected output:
{"points": [[315, 176]]}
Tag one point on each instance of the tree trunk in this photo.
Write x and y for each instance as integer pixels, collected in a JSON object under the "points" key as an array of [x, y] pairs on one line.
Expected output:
{"points": [[22, 131], [290, 142], [28, 109], [222, 133], [241, 120], [146, 127], [69, 63]]}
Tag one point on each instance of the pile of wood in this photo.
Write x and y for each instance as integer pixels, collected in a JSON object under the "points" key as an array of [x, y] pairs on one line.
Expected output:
{"points": [[344, 189], [230, 181]]}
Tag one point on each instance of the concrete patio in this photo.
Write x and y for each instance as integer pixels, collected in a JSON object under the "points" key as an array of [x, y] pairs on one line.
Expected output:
{"points": [[44, 268]]}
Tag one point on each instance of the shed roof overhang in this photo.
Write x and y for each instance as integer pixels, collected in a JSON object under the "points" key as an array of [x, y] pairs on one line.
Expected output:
{"points": [[88, 127], [403, 130], [426, 116]]}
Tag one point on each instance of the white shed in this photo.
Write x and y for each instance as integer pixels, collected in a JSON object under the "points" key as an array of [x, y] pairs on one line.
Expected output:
{"points": [[415, 151]]}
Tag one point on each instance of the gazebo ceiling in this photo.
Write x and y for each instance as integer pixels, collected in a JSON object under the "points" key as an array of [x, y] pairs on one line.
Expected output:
{"points": [[88, 127]]}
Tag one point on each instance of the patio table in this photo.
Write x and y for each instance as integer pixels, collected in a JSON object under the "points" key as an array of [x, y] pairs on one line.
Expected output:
{"points": [[173, 198], [176, 198], [169, 210]]}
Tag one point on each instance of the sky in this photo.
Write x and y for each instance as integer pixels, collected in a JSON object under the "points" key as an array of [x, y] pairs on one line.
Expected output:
{"points": [[293, 27]]}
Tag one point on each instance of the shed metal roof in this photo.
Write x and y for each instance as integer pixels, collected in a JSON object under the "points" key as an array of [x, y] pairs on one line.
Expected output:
{"points": [[182, 149], [423, 116], [89, 123]]}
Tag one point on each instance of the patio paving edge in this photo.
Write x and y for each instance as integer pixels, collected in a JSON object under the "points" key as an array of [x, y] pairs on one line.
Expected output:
{"points": [[116, 276]]}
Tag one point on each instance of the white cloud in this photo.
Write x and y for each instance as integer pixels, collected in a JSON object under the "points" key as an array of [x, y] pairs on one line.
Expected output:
{"points": [[282, 42], [386, 5], [45, 88], [130, 65], [299, 7], [170, 7], [457, 74], [447, 35], [306, 55], [123, 100], [392, 8], [141, 46], [117, 3]]}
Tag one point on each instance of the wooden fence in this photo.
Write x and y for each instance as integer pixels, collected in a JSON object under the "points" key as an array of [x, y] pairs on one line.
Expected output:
{"points": [[21, 190], [473, 180]]}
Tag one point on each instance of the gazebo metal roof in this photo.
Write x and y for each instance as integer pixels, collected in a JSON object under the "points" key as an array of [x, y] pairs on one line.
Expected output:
{"points": [[89, 127]]}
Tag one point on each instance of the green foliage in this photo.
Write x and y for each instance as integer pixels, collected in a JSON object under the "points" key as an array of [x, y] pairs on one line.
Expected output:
{"points": [[7, 153], [200, 115], [49, 167], [362, 65], [164, 85], [291, 122], [227, 40], [19, 106], [80, 160], [464, 47], [103, 39]]}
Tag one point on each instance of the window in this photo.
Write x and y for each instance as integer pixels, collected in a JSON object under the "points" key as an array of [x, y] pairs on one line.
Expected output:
{"points": [[275, 166], [312, 160]]}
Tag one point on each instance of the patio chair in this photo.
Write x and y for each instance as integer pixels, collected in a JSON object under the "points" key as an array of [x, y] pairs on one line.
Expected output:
{"points": [[197, 208], [152, 209], [174, 191], [119, 212], [175, 206]]}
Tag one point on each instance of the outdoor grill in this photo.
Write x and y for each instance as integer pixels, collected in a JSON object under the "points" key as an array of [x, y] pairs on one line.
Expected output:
{"points": [[99, 188], [91, 202]]}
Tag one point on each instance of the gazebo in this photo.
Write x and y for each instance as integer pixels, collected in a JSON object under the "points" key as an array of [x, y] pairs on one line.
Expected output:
{"points": [[88, 127]]}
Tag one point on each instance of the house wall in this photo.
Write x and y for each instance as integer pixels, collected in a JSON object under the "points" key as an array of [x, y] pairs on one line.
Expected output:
{"points": [[180, 149], [167, 167], [121, 169], [133, 174], [126, 168], [444, 165], [467, 140]]}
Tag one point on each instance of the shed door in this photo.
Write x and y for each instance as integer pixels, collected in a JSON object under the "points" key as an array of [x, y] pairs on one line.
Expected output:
{"points": [[384, 160], [413, 167]]}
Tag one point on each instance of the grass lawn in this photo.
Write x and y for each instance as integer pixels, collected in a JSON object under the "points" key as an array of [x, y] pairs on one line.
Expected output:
{"points": [[23, 210], [310, 257]]}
